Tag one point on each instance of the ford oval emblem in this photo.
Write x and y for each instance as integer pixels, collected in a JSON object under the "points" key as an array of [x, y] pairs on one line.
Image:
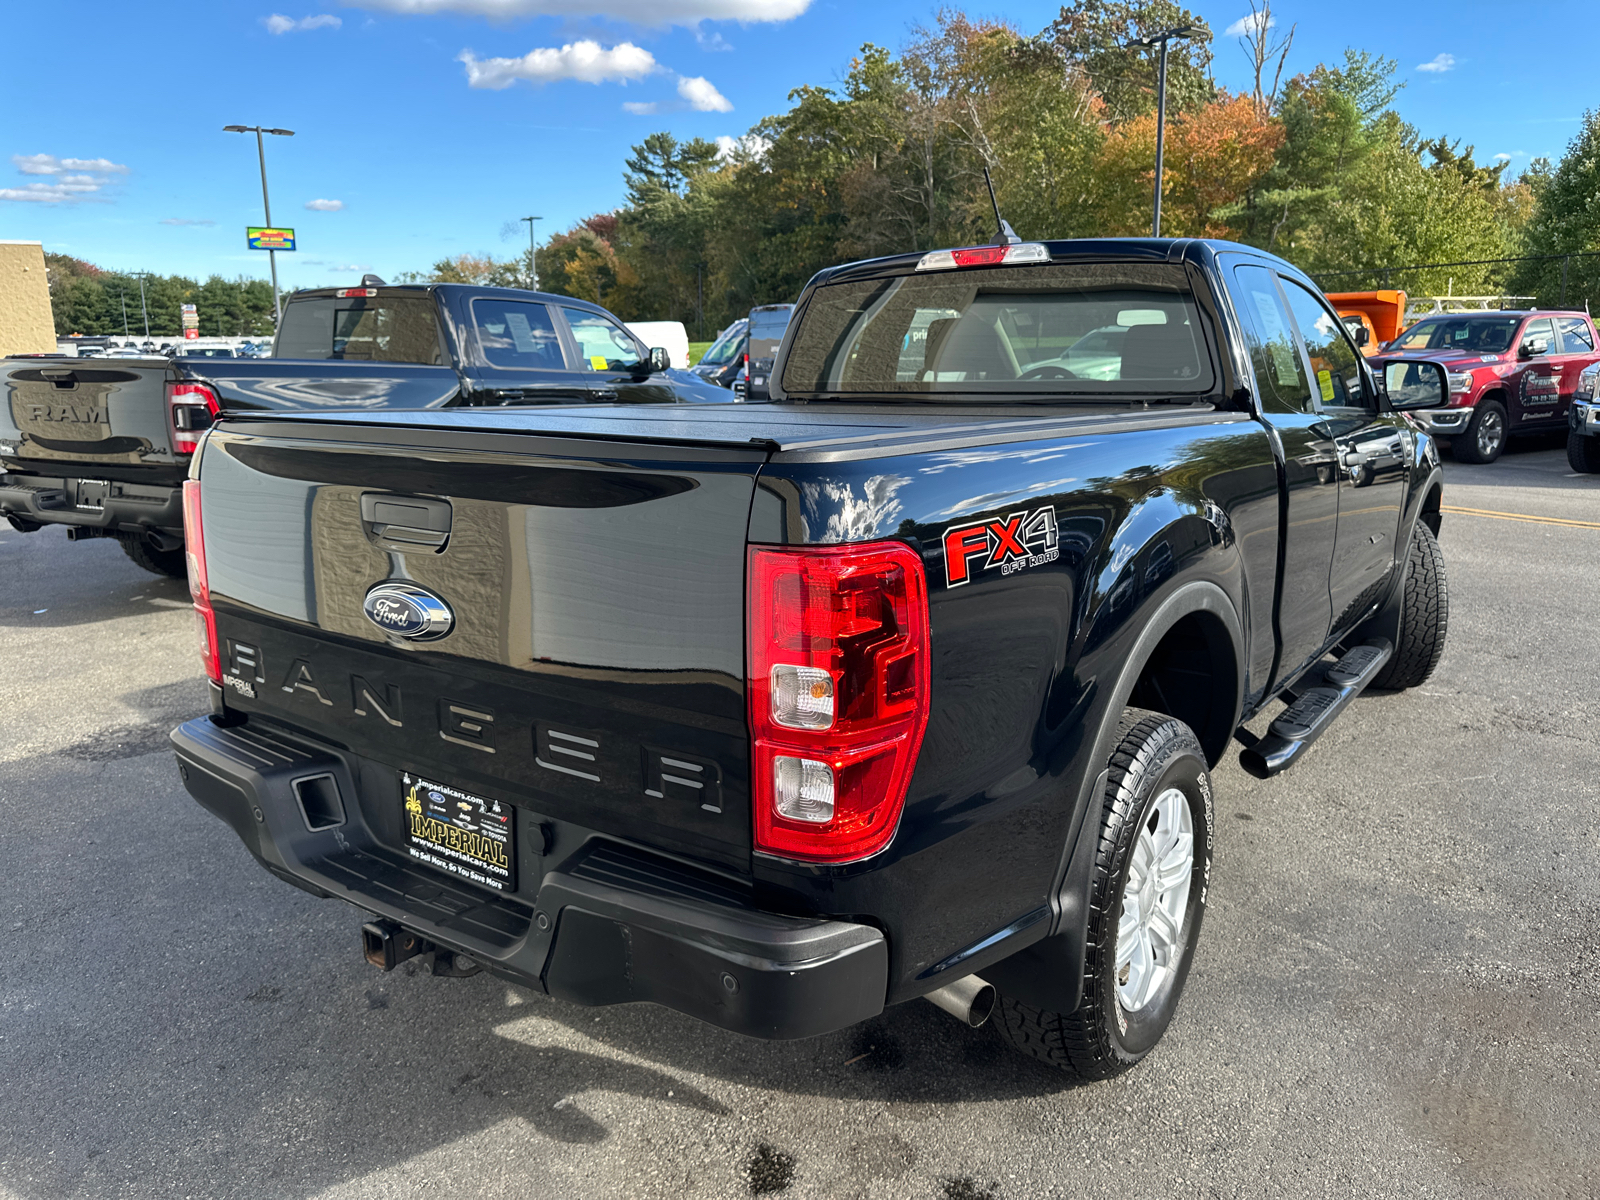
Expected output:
{"points": [[408, 611]]}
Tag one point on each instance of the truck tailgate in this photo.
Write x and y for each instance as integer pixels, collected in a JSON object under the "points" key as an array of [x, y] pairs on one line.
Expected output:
{"points": [[593, 668], [96, 412]]}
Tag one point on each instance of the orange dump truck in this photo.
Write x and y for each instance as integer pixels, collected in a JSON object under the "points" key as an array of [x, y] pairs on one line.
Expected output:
{"points": [[1382, 315]]}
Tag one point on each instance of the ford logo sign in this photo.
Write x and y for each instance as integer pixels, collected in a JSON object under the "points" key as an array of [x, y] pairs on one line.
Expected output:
{"points": [[408, 611]]}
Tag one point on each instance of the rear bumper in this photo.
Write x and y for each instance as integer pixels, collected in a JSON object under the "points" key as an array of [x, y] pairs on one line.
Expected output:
{"points": [[116, 506], [595, 922]]}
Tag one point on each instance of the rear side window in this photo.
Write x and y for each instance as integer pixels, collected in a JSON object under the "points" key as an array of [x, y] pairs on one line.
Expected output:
{"points": [[1575, 335], [1335, 362], [1270, 336], [365, 329], [603, 345], [514, 333]]}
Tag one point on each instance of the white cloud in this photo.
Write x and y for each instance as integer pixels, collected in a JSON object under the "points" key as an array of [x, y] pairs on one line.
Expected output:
{"points": [[49, 164], [752, 147], [71, 179], [183, 221], [703, 97], [713, 41], [1439, 64], [353, 267], [278, 23], [639, 12], [325, 205], [641, 108], [1248, 26], [586, 61]]}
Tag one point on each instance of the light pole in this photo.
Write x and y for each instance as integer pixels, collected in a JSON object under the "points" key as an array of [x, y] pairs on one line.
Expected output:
{"points": [[143, 308], [272, 255], [533, 265], [1161, 39]]}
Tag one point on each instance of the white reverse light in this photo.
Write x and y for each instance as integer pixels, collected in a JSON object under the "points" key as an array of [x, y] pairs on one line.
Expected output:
{"points": [[802, 789]]}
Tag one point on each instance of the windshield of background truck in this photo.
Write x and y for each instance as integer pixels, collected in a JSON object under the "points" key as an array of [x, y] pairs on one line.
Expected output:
{"points": [[1491, 335], [726, 348], [1005, 332], [400, 329]]}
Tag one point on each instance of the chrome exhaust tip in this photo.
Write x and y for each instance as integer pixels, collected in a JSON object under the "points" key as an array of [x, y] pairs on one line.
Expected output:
{"points": [[970, 1000]]}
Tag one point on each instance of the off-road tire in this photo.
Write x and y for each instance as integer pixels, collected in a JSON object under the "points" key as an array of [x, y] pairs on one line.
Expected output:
{"points": [[1424, 615], [173, 563], [1583, 452], [1153, 752], [1466, 444]]}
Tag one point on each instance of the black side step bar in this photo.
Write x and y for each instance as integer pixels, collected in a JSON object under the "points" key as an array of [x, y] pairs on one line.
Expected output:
{"points": [[1291, 733]]}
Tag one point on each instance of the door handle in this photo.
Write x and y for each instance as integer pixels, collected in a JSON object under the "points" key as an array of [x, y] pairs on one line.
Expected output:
{"points": [[605, 394]]}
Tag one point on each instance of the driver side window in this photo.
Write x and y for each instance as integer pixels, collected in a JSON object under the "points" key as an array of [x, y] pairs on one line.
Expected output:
{"points": [[1335, 362]]}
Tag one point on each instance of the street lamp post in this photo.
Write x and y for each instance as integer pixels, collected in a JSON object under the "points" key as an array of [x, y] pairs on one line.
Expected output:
{"points": [[266, 203], [1161, 39], [143, 308], [533, 265]]}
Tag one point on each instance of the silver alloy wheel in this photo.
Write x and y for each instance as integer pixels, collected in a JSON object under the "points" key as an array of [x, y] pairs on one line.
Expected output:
{"points": [[1491, 431], [1154, 901]]}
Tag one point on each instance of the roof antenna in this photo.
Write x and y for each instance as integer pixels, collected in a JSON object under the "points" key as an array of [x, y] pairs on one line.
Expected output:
{"points": [[1006, 236]]}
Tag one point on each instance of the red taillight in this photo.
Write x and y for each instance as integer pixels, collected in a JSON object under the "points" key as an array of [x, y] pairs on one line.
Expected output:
{"points": [[191, 408], [194, 543], [838, 695]]}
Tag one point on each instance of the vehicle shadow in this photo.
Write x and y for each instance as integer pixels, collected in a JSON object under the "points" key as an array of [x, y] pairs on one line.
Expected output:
{"points": [[189, 1025]]}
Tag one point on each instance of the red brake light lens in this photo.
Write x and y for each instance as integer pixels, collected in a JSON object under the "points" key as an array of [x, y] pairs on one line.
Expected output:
{"points": [[838, 695], [191, 408], [194, 544], [343, 293]]}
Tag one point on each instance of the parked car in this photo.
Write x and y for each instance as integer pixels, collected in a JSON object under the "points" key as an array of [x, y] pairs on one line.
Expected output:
{"points": [[765, 334], [1583, 433], [104, 451], [907, 684], [723, 362], [1511, 373]]}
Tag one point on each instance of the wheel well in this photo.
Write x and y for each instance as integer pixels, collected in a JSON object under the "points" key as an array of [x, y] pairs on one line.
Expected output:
{"points": [[1430, 515], [1498, 395], [1193, 674]]}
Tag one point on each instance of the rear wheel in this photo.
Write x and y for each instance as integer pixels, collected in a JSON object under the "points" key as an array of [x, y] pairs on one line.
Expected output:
{"points": [[159, 562], [1583, 452], [1147, 898], [1485, 435]]}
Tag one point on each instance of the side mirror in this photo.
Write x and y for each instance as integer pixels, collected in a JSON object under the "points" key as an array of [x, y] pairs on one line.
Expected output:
{"points": [[1361, 335], [1415, 385], [660, 360], [1534, 347]]}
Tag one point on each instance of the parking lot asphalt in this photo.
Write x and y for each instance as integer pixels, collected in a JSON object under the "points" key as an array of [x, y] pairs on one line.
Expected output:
{"points": [[1395, 993]]}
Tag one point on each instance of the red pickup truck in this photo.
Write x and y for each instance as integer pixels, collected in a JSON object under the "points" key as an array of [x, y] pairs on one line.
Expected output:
{"points": [[1510, 373]]}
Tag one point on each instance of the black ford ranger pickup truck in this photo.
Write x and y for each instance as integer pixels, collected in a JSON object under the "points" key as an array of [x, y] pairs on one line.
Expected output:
{"points": [[904, 685], [102, 447]]}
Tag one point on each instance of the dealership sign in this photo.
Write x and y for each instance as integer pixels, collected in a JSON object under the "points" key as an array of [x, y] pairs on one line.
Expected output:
{"points": [[263, 238]]}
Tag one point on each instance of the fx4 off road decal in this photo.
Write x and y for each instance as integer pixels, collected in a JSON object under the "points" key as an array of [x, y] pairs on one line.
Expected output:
{"points": [[1023, 539]]}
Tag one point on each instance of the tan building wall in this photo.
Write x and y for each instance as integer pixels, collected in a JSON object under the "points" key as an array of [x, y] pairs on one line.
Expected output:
{"points": [[27, 325]]}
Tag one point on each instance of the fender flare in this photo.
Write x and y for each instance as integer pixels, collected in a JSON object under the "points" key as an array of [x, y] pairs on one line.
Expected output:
{"points": [[1049, 973]]}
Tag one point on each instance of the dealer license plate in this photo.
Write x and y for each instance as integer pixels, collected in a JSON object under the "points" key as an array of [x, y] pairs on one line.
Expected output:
{"points": [[465, 835]]}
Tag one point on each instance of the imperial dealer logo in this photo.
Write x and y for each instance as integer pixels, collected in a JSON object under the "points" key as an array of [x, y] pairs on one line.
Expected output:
{"points": [[408, 611]]}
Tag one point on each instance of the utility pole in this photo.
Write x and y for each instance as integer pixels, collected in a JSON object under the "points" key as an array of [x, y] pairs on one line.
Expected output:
{"points": [[533, 264], [1161, 39], [266, 203], [124, 297]]}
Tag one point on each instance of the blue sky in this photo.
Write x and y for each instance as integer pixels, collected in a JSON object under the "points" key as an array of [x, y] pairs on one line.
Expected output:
{"points": [[399, 159]]}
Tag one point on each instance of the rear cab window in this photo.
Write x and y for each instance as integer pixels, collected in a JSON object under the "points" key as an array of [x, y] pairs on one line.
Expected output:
{"points": [[517, 334], [1086, 330], [399, 329], [1576, 336]]}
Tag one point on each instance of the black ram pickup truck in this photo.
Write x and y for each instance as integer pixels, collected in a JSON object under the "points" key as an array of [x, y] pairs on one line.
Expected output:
{"points": [[904, 685], [102, 448]]}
